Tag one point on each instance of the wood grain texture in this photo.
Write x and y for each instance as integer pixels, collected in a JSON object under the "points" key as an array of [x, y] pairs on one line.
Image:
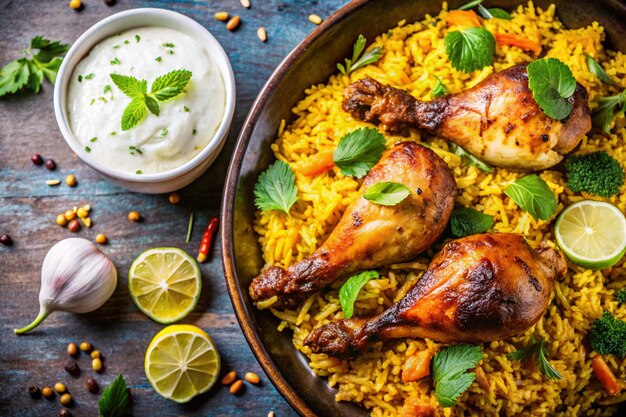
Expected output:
{"points": [[28, 208]]}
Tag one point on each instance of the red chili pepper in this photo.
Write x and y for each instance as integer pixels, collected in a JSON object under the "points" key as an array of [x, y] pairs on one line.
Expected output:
{"points": [[207, 238]]}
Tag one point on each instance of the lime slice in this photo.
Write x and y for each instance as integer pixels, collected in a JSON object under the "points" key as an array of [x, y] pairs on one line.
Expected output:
{"points": [[592, 234], [165, 284], [182, 362]]}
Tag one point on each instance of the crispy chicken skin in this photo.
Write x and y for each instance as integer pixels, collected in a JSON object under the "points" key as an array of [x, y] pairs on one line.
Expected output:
{"points": [[369, 235], [479, 288], [497, 120]]}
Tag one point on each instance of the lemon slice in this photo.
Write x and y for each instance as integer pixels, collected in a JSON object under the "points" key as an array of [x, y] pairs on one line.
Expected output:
{"points": [[592, 234], [165, 284], [182, 362]]}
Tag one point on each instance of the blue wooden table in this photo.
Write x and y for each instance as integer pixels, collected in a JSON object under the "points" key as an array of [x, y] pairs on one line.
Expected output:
{"points": [[28, 208]]}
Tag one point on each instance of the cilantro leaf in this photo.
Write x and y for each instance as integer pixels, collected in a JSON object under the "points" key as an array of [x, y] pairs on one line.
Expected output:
{"points": [[355, 62], [552, 83], [536, 350], [114, 400], [439, 89], [387, 193], [170, 85], [471, 159], [130, 85], [152, 105], [470, 49], [14, 76], [47, 49], [533, 195], [50, 69], [450, 374], [608, 108], [35, 78], [349, 291], [133, 113], [466, 221], [359, 151], [276, 188], [597, 70]]}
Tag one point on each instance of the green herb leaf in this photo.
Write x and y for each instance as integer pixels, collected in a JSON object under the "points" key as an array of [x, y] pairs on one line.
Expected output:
{"points": [[387, 193], [130, 86], [189, 228], [137, 38], [359, 151], [493, 13], [152, 105], [536, 350], [133, 113], [470, 49], [466, 221], [276, 188], [602, 116], [35, 78], [450, 374], [597, 69], [470, 5], [349, 291], [90, 76], [439, 89], [170, 85], [533, 195], [14, 76], [115, 61], [114, 399], [357, 61], [552, 83], [158, 59], [469, 158], [47, 49]]}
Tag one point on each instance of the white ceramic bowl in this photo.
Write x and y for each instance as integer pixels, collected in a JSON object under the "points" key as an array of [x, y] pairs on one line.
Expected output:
{"points": [[120, 22]]}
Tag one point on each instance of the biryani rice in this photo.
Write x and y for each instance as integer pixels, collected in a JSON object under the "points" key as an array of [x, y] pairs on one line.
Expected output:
{"points": [[414, 54]]}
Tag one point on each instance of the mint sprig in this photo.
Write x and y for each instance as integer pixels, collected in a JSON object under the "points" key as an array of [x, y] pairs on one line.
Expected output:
{"points": [[114, 399], [164, 87]]}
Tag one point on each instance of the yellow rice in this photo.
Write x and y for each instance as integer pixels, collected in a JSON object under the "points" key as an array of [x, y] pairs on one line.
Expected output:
{"points": [[413, 54]]}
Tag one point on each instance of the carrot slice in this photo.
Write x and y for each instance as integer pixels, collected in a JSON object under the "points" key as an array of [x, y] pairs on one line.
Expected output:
{"points": [[413, 407], [604, 374], [416, 366], [317, 164], [519, 41], [462, 18]]}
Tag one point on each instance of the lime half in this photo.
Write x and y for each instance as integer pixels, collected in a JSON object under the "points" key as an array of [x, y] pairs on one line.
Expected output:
{"points": [[182, 362], [165, 284], [592, 234]]}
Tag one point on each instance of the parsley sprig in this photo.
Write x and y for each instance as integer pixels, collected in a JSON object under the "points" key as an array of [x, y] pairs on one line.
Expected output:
{"points": [[537, 351], [470, 49], [552, 83], [114, 399], [276, 188], [608, 108], [450, 366], [42, 59], [358, 61], [164, 88]]}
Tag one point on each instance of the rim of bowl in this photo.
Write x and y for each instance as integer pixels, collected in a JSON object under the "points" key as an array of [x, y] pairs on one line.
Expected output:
{"points": [[94, 34], [230, 190]]}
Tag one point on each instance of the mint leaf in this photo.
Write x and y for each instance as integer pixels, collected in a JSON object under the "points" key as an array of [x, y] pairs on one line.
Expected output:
{"points": [[450, 374], [533, 195], [14, 76], [470, 49], [597, 70], [170, 85], [349, 291], [387, 193], [133, 113], [114, 400], [359, 151], [469, 158], [130, 85], [552, 83], [357, 61], [152, 105], [601, 117], [439, 89], [276, 188], [466, 221]]}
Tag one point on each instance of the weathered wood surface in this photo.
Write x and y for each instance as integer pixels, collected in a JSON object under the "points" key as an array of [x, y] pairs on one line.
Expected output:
{"points": [[28, 208]]}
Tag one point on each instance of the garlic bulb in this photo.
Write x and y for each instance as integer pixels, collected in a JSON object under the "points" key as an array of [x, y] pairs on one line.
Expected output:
{"points": [[75, 277]]}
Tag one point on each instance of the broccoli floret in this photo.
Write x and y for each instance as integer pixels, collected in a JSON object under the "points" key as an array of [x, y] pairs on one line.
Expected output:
{"points": [[620, 296], [596, 173], [608, 335]]}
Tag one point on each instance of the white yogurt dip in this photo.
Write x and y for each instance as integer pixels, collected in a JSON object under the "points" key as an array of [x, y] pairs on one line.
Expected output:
{"points": [[186, 123]]}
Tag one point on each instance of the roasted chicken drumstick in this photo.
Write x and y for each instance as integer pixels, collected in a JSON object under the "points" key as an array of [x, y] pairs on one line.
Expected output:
{"points": [[370, 235], [497, 120], [478, 288]]}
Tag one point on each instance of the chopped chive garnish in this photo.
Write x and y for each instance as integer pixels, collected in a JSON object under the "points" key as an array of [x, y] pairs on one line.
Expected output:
{"points": [[132, 147], [93, 100], [194, 132], [126, 42], [80, 78], [168, 44], [189, 228], [94, 139], [186, 109], [139, 151], [138, 172], [137, 38], [113, 133], [157, 59], [115, 61], [90, 76], [107, 88], [169, 51], [116, 46], [102, 99], [164, 132], [87, 149]]}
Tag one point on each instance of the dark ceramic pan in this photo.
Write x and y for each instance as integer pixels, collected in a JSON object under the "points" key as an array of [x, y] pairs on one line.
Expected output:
{"points": [[312, 62]]}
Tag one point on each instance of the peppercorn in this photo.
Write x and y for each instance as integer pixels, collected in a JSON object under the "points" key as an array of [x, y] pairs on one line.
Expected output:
{"points": [[47, 393], [74, 226], [134, 216], [72, 349], [51, 165], [59, 387], [101, 239], [61, 220], [86, 346], [70, 180], [6, 240], [66, 399], [91, 385], [72, 368], [96, 364], [64, 412], [109, 2], [96, 354], [174, 198], [34, 391], [36, 159]]}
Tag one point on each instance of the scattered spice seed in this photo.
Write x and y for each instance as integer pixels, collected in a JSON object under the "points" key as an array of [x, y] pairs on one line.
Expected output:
{"points": [[229, 378], [52, 183], [245, 3], [64, 412], [101, 239], [34, 392], [86, 346], [91, 385], [72, 348], [252, 378], [51, 165], [189, 228], [73, 226], [72, 368], [95, 354], [66, 399], [109, 2], [233, 23], [59, 387], [262, 34], [221, 16], [70, 215], [61, 221], [82, 213], [36, 159], [76, 5], [86, 221], [96, 364], [47, 392], [70, 180], [133, 216], [313, 18], [207, 238], [6, 240], [271, 414], [236, 387], [174, 198]]}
